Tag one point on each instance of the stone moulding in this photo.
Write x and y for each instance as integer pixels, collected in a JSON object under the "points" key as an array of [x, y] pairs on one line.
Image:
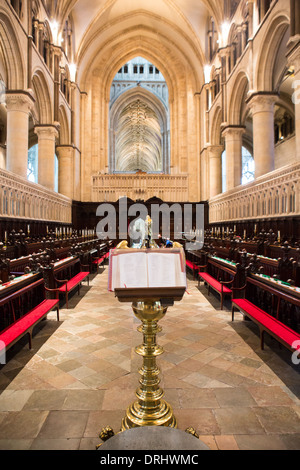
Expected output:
{"points": [[275, 194], [110, 188], [20, 198]]}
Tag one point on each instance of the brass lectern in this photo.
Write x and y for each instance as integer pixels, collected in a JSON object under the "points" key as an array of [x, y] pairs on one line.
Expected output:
{"points": [[149, 304]]}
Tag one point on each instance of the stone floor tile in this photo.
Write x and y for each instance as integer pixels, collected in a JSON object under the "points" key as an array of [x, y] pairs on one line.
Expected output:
{"points": [[238, 420], [55, 444], [278, 419], [83, 400], [15, 444], [64, 425], [14, 400], [260, 442], [232, 397], [226, 443], [46, 400], [22, 424]]}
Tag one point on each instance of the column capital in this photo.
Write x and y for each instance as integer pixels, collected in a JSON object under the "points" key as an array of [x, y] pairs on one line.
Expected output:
{"points": [[56, 50], [17, 100], [64, 151], [259, 102], [47, 131], [215, 151], [233, 131]]}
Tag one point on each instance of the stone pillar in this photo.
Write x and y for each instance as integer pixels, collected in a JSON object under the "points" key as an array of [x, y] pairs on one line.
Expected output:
{"points": [[56, 71], [295, 17], [294, 62], [46, 154], [262, 107], [251, 13], [233, 146], [204, 175], [65, 155], [18, 105], [215, 170]]}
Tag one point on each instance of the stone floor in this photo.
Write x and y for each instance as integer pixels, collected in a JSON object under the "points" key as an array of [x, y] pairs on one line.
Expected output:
{"points": [[82, 373]]}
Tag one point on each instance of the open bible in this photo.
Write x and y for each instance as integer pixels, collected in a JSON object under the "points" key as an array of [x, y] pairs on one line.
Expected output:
{"points": [[140, 269]]}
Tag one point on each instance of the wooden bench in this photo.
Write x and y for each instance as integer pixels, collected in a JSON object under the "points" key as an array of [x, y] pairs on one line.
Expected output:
{"points": [[234, 271], [193, 267], [266, 322], [68, 285], [26, 323], [218, 286], [99, 260]]}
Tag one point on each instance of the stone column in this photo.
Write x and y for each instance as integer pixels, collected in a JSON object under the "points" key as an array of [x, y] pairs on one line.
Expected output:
{"points": [[215, 170], [18, 105], [262, 107], [46, 153], [233, 146], [204, 175], [251, 12], [294, 62], [65, 155], [295, 17]]}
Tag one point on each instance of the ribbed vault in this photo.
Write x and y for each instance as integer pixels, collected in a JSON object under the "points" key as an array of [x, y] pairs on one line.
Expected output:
{"points": [[138, 139]]}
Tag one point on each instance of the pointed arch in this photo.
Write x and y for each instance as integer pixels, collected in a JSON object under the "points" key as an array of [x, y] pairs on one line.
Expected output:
{"points": [[236, 100], [269, 49], [43, 106], [64, 132], [11, 52], [215, 130]]}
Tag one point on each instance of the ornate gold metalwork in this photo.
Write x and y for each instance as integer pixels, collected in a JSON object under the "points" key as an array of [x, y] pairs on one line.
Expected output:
{"points": [[192, 431], [123, 245], [150, 409], [106, 433]]}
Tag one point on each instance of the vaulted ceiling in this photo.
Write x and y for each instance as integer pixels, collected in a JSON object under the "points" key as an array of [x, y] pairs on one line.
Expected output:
{"points": [[177, 18]]}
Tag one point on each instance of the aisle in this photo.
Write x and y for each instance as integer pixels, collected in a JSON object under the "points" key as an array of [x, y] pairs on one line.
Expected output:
{"points": [[82, 373]]}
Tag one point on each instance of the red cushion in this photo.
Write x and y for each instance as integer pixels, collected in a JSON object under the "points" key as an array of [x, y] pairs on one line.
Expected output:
{"points": [[74, 282], [99, 260], [191, 265], [23, 324], [214, 283], [281, 330]]}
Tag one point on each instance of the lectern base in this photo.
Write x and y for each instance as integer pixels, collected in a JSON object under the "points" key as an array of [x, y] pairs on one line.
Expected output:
{"points": [[137, 417]]}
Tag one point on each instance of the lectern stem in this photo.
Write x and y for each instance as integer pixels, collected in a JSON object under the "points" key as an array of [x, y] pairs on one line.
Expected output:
{"points": [[150, 409]]}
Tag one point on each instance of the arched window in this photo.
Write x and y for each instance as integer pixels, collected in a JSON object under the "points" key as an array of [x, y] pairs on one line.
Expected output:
{"points": [[56, 173], [224, 171], [32, 166], [248, 166]]}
